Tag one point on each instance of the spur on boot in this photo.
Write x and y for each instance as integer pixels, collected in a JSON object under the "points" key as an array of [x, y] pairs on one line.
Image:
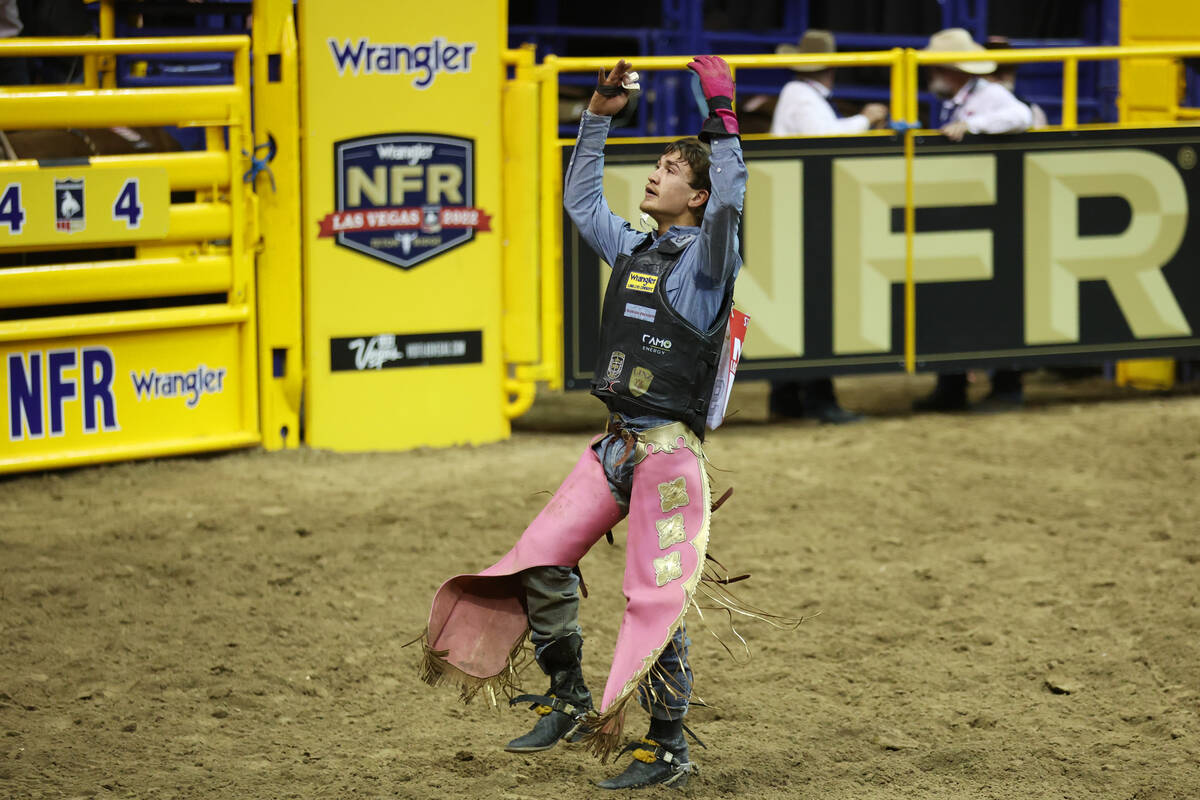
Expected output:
{"points": [[562, 709], [653, 763]]}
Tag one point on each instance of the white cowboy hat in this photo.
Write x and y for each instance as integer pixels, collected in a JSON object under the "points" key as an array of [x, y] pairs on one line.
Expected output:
{"points": [[957, 40], [814, 41]]}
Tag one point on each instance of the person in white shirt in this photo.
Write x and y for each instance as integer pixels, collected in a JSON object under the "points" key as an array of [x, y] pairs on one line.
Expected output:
{"points": [[972, 104], [804, 109], [1006, 76]]}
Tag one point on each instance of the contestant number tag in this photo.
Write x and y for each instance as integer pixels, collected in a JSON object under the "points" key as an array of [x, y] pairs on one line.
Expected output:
{"points": [[72, 205]]}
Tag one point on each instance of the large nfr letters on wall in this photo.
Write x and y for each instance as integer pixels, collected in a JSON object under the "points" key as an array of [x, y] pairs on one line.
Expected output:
{"points": [[1039, 248]]}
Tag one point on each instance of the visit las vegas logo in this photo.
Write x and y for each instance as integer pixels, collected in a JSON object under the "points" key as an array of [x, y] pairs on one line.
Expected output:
{"points": [[404, 198]]}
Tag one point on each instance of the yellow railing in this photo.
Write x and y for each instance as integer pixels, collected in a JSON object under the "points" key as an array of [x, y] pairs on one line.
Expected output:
{"points": [[544, 174], [884, 58], [213, 218], [280, 307], [904, 103], [209, 243], [1070, 58]]}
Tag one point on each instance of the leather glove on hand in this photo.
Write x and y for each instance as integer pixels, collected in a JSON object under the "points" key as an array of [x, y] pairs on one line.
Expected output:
{"points": [[716, 81], [613, 90]]}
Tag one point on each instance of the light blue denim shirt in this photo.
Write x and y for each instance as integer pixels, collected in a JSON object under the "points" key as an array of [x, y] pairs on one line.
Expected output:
{"points": [[709, 263]]}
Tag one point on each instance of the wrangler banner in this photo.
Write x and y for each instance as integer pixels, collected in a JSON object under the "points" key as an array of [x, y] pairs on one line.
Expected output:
{"points": [[128, 394], [1040, 248], [403, 226]]}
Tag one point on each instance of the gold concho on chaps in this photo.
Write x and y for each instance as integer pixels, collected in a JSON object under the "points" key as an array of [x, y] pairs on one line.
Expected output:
{"points": [[670, 531]]}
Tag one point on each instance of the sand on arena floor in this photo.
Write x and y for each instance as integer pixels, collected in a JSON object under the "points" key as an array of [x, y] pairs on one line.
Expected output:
{"points": [[1008, 609]]}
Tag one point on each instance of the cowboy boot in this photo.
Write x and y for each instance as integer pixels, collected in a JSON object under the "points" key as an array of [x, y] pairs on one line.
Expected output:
{"points": [[564, 706], [661, 756]]}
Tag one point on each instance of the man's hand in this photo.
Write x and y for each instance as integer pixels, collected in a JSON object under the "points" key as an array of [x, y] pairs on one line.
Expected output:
{"points": [[610, 95], [716, 79], [954, 131], [875, 113]]}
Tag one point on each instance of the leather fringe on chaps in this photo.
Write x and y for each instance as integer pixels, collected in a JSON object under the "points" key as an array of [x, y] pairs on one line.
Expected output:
{"points": [[478, 623], [475, 639], [435, 670], [606, 731]]}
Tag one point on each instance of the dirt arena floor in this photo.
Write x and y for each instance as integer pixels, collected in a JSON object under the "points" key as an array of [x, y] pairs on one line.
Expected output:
{"points": [[1008, 609]]}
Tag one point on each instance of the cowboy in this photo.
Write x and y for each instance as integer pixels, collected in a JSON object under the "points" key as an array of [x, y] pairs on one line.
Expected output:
{"points": [[972, 104], [662, 330], [1006, 76], [804, 109]]}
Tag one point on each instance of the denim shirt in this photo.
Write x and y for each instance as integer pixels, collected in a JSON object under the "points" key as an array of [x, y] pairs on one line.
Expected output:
{"points": [[708, 264]]}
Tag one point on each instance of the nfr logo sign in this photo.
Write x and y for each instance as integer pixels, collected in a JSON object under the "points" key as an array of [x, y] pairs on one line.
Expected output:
{"points": [[40, 383], [404, 198]]}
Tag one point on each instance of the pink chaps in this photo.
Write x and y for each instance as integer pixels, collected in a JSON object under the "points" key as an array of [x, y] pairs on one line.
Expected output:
{"points": [[478, 621]]}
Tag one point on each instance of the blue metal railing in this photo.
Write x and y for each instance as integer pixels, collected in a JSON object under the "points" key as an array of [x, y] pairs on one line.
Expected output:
{"points": [[668, 107]]}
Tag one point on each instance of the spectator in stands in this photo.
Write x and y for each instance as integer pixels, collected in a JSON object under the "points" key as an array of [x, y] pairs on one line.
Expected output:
{"points": [[1006, 76], [13, 71], [804, 109], [972, 104]]}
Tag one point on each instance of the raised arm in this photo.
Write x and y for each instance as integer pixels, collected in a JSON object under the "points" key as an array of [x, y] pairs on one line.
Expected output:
{"points": [[723, 214], [583, 185], [726, 172]]}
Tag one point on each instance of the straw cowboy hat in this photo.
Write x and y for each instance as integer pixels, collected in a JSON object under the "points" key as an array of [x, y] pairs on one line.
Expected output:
{"points": [[957, 40], [813, 41]]}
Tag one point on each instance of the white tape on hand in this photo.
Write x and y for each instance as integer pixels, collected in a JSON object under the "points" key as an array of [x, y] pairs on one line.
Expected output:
{"points": [[630, 83]]}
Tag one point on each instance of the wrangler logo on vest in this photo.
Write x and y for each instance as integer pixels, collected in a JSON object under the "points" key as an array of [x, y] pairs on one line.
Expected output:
{"points": [[641, 282]]}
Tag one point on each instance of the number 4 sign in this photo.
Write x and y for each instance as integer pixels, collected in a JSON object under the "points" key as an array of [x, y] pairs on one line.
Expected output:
{"points": [[83, 204], [11, 213], [127, 205]]}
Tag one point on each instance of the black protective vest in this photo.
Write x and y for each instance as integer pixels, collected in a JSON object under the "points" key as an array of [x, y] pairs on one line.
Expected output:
{"points": [[651, 360]]}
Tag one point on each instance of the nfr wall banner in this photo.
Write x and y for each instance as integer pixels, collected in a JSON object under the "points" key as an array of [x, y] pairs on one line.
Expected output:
{"points": [[402, 243], [71, 398], [1031, 249]]}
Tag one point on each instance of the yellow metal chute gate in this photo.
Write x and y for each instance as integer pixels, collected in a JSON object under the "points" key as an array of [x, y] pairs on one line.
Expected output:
{"points": [[109, 380]]}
